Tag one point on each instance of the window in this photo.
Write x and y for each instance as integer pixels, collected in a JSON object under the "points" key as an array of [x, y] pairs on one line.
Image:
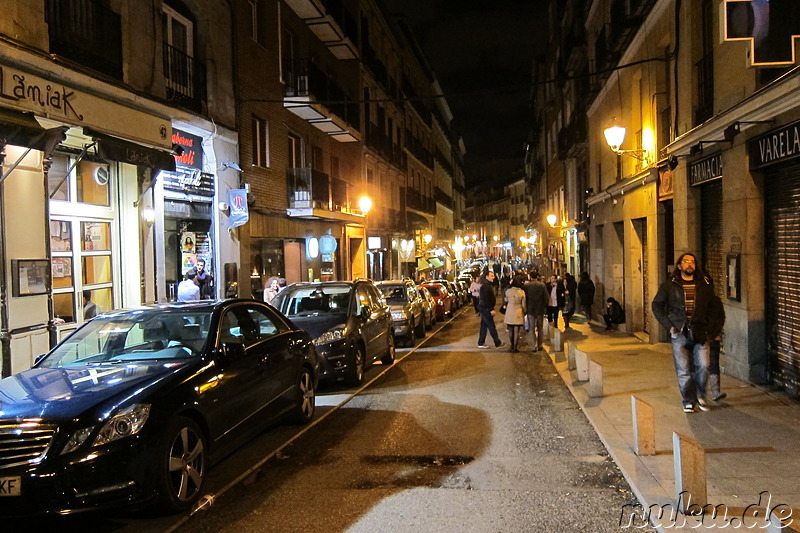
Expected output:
{"points": [[295, 151], [257, 16], [266, 326], [260, 142]]}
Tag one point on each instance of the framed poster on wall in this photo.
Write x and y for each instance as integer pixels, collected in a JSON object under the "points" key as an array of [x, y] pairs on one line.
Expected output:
{"points": [[29, 277], [734, 269]]}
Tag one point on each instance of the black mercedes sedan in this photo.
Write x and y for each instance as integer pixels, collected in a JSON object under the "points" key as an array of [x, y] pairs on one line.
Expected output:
{"points": [[135, 405]]}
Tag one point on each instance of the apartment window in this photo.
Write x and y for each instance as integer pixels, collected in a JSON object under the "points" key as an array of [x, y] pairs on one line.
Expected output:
{"points": [[260, 142], [257, 16], [335, 172], [295, 148], [316, 158]]}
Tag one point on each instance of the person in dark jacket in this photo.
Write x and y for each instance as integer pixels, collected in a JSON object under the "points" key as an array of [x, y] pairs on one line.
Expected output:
{"points": [[586, 294], [552, 303], [566, 293], [536, 299], [614, 313], [486, 303], [688, 308]]}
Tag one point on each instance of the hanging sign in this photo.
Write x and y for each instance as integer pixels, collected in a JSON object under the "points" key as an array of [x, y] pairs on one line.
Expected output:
{"points": [[771, 27], [237, 200]]}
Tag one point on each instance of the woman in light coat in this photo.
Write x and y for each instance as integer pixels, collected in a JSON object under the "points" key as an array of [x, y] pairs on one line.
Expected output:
{"points": [[272, 289], [515, 312]]}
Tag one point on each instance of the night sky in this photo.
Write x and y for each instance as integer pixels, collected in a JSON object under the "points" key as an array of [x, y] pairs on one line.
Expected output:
{"points": [[482, 53]]}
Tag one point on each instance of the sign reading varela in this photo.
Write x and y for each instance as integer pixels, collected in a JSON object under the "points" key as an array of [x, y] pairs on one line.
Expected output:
{"points": [[776, 146]]}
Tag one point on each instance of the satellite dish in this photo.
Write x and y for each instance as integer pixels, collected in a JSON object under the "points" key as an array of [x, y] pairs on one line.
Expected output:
{"points": [[101, 175]]}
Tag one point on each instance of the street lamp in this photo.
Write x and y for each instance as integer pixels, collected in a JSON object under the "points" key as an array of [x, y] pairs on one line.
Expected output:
{"points": [[427, 238], [552, 219], [365, 204], [615, 136]]}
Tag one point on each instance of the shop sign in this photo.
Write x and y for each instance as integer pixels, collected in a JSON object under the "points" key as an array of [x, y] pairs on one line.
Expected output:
{"points": [[46, 97], [237, 200], [327, 244], [192, 156], [776, 146], [706, 169], [312, 248], [189, 180]]}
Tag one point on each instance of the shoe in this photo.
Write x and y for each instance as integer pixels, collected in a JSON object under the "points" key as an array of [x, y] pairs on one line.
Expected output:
{"points": [[688, 408], [483, 346], [501, 345], [539, 349], [703, 404], [720, 396]]}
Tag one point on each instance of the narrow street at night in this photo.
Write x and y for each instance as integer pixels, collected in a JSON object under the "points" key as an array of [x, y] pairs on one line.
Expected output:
{"points": [[451, 439]]}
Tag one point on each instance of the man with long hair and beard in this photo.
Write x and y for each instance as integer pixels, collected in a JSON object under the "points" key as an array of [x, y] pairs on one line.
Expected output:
{"points": [[688, 308]]}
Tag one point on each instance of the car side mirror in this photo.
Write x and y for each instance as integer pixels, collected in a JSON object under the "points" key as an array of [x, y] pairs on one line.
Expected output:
{"points": [[366, 312], [38, 359]]}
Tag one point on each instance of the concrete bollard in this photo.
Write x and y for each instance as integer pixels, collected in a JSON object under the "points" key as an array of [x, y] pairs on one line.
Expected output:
{"points": [[595, 379], [690, 473], [571, 357], [559, 356], [558, 341], [582, 365], [644, 427]]}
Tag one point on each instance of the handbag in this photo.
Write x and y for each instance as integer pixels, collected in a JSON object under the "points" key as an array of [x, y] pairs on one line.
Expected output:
{"points": [[503, 308]]}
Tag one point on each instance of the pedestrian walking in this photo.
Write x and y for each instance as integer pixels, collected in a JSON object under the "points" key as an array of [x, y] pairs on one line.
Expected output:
{"points": [[486, 303], [515, 312], [552, 305], [586, 295], [536, 300], [475, 291], [566, 294], [688, 308]]}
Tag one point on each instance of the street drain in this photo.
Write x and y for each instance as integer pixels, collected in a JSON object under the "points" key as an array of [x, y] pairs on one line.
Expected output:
{"points": [[421, 460]]}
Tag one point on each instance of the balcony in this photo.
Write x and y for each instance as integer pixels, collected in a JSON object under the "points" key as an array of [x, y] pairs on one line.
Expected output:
{"points": [[307, 87], [572, 138], [332, 23], [380, 142], [416, 200], [318, 196], [86, 32], [574, 45], [185, 79]]}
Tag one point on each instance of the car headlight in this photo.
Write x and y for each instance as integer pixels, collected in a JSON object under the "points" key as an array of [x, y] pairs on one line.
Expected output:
{"points": [[127, 422], [332, 335], [399, 315], [439, 302]]}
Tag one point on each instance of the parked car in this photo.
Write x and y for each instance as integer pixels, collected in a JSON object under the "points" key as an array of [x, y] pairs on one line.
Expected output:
{"points": [[349, 320], [428, 305], [406, 305], [135, 405], [453, 291], [444, 306], [463, 290]]}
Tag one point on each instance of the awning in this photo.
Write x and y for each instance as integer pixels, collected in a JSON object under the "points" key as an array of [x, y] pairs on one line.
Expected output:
{"points": [[21, 129], [422, 265], [416, 221], [435, 262], [114, 149]]}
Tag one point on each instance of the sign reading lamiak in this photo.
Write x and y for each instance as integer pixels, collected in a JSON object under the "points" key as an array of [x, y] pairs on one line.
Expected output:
{"points": [[60, 102], [776, 146]]}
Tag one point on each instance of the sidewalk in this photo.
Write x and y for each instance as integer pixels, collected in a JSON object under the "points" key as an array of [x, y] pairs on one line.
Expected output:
{"points": [[751, 438]]}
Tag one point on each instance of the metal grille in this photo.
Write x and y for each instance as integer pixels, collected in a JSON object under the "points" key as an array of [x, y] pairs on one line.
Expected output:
{"points": [[713, 254], [22, 444], [783, 278]]}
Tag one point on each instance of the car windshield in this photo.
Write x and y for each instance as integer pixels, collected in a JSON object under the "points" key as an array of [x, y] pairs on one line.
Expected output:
{"points": [[394, 294], [433, 290], [134, 336], [314, 301]]}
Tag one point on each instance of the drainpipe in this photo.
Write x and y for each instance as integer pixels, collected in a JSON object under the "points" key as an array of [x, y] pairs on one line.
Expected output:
{"points": [[5, 336]]}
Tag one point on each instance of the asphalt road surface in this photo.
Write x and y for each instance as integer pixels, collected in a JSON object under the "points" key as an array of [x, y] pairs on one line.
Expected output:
{"points": [[451, 438]]}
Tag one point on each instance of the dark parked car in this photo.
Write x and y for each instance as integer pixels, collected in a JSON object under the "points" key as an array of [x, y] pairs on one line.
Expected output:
{"points": [[408, 314], [428, 306], [135, 405], [349, 320]]}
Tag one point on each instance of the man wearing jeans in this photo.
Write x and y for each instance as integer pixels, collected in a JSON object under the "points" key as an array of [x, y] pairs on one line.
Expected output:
{"points": [[486, 303], [688, 308]]}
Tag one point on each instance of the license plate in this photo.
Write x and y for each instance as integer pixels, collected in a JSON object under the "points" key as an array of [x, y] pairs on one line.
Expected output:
{"points": [[10, 486]]}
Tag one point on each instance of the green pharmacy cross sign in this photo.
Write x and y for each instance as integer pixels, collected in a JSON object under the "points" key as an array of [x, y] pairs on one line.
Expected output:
{"points": [[771, 26]]}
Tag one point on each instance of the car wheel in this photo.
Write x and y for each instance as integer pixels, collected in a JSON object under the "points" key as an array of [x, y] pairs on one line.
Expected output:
{"points": [[305, 398], [408, 340], [182, 466], [388, 359], [429, 322], [355, 374], [420, 329]]}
